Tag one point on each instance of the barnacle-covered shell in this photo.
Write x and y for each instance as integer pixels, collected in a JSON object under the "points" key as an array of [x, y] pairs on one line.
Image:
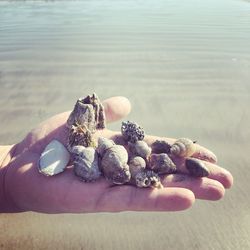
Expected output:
{"points": [[147, 178], [82, 115], [160, 146], [196, 167], [86, 163], [114, 165], [98, 110], [141, 177], [183, 147], [79, 135], [103, 145], [132, 132], [140, 148], [88, 112], [161, 164]]}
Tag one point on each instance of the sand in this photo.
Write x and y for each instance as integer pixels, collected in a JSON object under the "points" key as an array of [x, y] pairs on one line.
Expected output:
{"points": [[184, 63]]}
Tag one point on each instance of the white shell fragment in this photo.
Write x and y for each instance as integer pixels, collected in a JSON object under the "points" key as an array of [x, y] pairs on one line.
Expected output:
{"points": [[53, 159]]}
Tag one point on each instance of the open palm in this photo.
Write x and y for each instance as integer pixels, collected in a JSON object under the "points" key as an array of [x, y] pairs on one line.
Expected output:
{"points": [[28, 190]]}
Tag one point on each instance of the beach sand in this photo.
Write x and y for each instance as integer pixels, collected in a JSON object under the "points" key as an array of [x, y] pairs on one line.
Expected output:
{"points": [[186, 73]]}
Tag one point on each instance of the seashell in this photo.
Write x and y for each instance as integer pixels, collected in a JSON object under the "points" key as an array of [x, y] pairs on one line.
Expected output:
{"points": [[141, 177], [86, 163], [83, 115], [53, 159], [136, 165], [147, 178], [89, 112], [98, 109], [132, 132], [114, 165], [161, 164], [103, 145], [160, 146], [140, 148], [196, 167], [183, 147], [79, 135]]}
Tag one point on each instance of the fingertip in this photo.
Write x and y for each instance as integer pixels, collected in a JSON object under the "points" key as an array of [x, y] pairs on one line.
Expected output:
{"points": [[226, 179], [116, 108], [187, 199], [216, 192], [179, 199]]}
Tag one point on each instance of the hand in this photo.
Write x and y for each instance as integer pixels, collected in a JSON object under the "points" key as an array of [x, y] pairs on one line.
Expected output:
{"points": [[25, 189]]}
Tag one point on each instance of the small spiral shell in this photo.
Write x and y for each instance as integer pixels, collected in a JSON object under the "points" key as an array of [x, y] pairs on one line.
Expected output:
{"points": [[114, 164], [86, 163], [140, 148], [183, 147], [136, 165], [103, 145]]}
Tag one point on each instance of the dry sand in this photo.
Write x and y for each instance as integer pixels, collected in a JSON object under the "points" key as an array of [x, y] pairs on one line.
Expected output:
{"points": [[185, 66]]}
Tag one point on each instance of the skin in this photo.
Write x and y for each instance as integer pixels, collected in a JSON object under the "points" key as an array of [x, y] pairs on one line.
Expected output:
{"points": [[23, 188]]}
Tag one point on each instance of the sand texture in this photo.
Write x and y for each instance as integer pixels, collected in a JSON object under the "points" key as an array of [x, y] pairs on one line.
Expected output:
{"points": [[185, 66]]}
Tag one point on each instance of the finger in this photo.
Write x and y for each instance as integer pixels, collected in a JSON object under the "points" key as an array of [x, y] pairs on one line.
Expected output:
{"points": [[116, 108], [129, 198], [200, 153], [220, 174], [203, 188]]}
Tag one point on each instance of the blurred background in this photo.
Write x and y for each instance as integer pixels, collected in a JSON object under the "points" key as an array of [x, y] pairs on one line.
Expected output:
{"points": [[184, 65]]}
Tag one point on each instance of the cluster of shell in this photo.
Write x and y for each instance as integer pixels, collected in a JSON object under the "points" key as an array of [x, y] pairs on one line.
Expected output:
{"points": [[135, 162]]}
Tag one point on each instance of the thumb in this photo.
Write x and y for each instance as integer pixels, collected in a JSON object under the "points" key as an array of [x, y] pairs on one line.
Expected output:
{"points": [[116, 108]]}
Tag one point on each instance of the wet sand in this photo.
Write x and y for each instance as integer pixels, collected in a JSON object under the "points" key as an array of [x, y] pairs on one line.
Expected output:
{"points": [[185, 66]]}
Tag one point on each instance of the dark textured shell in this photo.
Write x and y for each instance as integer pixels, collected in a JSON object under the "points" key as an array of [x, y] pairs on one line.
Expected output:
{"points": [[160, 146], [183, 147], [132, 132], [114, 165], [86, 163], [139, 148], [161, 164], [196, 167]]}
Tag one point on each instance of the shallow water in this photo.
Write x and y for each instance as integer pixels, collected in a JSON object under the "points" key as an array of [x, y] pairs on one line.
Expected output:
{"points": [[184, 62]]}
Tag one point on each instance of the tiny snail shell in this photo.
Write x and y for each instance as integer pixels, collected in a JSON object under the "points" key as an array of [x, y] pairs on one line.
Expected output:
{"points": [[161, 164], [86, 163], [183, 147], [140, 148], [196, 167], [114, 164], [136, 165], [103, 145]]}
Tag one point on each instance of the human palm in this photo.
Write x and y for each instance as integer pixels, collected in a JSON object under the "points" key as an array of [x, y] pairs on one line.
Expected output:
{"points": [[28, 190]]}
